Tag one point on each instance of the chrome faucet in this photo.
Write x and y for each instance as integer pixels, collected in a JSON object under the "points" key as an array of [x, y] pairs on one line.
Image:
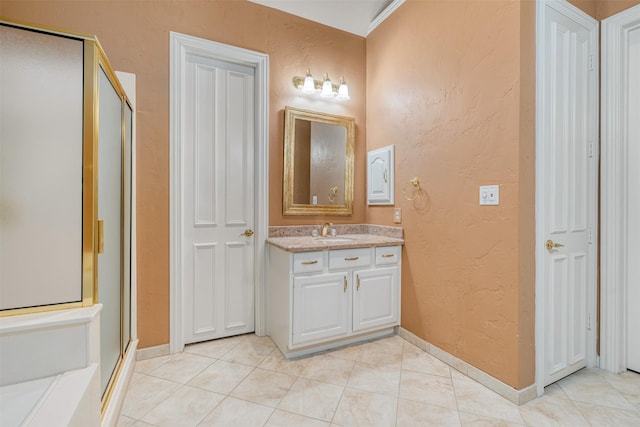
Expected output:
{"points": [[325, 228]]}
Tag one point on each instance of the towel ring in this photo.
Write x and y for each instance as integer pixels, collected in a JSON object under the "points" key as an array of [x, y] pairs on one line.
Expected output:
{"points": [[411, 190]]}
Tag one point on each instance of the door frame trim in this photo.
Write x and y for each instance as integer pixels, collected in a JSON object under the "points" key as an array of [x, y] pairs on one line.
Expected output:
{"points": [[540, 196], [180, 46], [614, 178]]}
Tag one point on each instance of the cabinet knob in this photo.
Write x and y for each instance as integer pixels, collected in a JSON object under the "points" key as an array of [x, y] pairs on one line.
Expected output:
{"points": [[354, 258], [358, 280], [345, 283]]}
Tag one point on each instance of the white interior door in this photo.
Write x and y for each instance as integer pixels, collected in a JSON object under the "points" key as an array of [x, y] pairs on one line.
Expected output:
{"points": [[633, 193], [218, 199], [620, 198], [569, 184]]}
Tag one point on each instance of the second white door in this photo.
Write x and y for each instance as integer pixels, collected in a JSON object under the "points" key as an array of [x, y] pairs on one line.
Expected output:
{"points": [[218, 199], [632, 45], [569, 180]]}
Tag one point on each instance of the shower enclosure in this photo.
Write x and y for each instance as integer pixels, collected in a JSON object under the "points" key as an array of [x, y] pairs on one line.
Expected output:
{"points": [[65, 184]]}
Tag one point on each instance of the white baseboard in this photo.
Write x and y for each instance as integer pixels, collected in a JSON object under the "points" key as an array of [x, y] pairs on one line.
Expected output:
{"points": [[518, 397], [151, 352]]}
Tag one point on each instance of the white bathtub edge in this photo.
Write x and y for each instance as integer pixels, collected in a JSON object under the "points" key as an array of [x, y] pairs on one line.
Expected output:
{"points": [[48, 319], [73, 400]]}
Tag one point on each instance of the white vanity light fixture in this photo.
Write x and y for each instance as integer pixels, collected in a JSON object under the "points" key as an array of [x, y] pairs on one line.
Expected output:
{"points": [[324, 88], [309, 86], [343, 91], [327, 87]]}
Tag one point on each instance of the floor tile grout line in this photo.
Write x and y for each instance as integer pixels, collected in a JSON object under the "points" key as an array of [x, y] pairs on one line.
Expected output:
{"points": [[399, 387], [301, 415], [599, 404], [212, 409], [604, 406], [160, 402], [455, 395], [584, 417], [400, 383], [189, 380], [335, 411], [228, 394], [240, 382]]}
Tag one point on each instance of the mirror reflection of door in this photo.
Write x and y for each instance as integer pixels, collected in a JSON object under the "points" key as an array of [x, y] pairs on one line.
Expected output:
{"points": [[319, 176]]}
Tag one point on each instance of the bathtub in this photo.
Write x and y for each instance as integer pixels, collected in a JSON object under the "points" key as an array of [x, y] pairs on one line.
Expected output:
{"points": [[49, 368]]}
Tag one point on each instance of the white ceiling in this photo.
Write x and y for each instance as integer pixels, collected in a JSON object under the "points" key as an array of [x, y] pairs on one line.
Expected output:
{"points": [[353, 16]]}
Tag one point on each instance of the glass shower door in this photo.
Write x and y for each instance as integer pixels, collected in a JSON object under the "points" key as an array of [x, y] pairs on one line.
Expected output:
{"points": [[110, 215]]}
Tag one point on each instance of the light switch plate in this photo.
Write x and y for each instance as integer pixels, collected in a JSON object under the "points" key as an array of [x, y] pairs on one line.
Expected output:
{"points": [[397, 215], [489, 195]]}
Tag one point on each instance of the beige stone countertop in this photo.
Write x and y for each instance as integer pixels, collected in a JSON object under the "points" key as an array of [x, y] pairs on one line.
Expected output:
{"points": [[345, 241]]}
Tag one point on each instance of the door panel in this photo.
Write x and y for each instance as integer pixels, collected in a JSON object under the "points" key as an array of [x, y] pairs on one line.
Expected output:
{"points": [[556, 300], [204, 148], [203, 293], [570, 185], [577, 308], [218, 204], [239, 299]]}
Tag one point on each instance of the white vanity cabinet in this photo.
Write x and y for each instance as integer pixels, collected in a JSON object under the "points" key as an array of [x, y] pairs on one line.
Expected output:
{"points": [[323, 299]]}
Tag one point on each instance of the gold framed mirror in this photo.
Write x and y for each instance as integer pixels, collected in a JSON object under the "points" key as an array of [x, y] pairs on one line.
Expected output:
{"points": [[318, 163]]}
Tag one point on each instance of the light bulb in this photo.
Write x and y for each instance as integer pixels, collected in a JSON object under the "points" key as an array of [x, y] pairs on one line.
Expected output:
{"points": [[327, 88], [343, 91], [309, 86]]}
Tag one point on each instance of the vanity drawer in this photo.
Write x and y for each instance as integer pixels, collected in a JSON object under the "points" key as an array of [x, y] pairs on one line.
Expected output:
{"points": [[309, 262], [387, 255], [349, 258]]}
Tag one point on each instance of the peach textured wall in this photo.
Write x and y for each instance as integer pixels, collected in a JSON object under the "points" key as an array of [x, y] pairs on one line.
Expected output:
{"points": [[135, 36], [607, 8], [445, 84], [526, 197], [588, 6], [602, 9]]}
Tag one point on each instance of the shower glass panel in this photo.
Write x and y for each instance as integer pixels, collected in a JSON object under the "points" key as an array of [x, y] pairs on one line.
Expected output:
{"points": [[126, 315], [41, 143], [109, 211]]}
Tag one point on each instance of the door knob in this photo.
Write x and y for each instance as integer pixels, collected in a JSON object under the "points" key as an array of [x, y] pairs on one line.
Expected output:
{"points": [[247, 233], [551, 244]]}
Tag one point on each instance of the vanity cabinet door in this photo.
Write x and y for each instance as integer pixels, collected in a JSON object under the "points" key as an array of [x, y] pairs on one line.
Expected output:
{"points": [[320, 307], [375, 298]]}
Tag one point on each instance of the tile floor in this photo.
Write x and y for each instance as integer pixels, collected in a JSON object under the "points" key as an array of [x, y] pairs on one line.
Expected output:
{"points": [[245, 381]]}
